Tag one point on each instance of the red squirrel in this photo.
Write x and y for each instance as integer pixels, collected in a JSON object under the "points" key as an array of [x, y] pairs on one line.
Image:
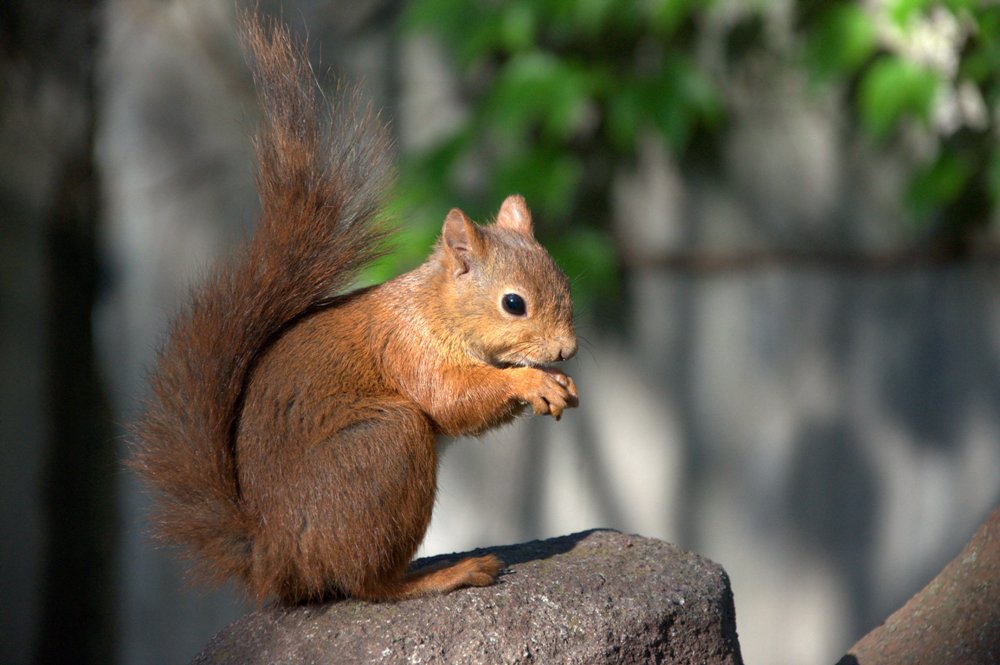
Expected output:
{"points": [[290, 433]]}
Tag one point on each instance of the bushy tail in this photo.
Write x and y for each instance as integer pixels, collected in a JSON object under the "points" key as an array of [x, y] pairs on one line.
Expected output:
{"points": [[322, 172]]}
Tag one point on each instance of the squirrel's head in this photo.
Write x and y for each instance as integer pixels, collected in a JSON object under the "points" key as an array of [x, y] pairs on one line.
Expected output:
{"points": [[508, 303]]}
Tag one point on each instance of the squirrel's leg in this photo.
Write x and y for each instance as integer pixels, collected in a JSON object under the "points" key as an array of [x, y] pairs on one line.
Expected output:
{"points": [[338, 500], [403, 449], [347, 511]]}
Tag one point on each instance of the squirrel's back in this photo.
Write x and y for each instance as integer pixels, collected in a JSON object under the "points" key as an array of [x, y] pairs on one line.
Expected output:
{"points": [[321, 176]]}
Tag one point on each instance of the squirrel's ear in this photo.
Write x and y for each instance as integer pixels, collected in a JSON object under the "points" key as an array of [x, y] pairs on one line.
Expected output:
{"points": [[461, 240], [514, 215]]}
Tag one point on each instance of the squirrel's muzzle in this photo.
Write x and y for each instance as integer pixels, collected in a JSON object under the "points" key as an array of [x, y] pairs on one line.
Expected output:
{"points": [[567, 348]]}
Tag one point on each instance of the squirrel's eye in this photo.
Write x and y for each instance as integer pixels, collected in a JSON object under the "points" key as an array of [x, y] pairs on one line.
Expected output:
{"points": [[513, 304]]}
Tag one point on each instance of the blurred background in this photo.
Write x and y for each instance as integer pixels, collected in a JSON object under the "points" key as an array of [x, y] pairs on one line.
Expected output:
{"points": [[780, 223]]}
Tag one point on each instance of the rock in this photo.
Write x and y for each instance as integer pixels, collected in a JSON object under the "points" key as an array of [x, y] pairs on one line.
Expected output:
{"points": [[592, 597], [954, 619]]}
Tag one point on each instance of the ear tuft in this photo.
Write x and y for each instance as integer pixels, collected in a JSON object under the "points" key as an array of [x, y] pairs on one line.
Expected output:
{"points": [[515, 216]]}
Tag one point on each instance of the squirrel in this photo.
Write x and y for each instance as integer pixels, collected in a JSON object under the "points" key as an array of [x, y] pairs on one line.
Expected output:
{"points": [[290, 433]]}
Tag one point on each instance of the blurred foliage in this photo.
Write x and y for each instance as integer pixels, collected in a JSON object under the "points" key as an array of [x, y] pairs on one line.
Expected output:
{"points": [[559, 93], [925, 69]]}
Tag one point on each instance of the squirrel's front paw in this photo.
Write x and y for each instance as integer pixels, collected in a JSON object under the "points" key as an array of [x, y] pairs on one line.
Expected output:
{"points": [[547, 390]]}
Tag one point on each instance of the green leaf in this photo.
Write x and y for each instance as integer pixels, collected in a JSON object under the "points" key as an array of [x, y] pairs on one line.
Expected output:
{"points": [[625, 113], [893, 89], [589, 17], [548, 178], [518, 26], [434, 13], [668, 15], [426, 175], [469, 30], [981, 57], [409, 246], [588, 258], [844, 38], [903, 11], [536, 89], [939, 183], [682, 99]]}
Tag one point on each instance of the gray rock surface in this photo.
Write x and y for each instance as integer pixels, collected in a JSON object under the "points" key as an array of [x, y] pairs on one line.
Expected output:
{"points": [[592, 597]]}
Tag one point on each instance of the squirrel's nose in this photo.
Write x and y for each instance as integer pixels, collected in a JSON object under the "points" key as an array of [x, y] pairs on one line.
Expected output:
{"points": [[567, 350]]}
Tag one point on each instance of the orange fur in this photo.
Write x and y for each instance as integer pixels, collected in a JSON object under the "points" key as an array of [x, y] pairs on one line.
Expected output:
{"points": [[291, 432]]}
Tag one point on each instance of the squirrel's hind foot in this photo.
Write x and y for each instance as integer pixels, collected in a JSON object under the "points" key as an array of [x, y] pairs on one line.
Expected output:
{"points": [[476, 571], [473, 571]]}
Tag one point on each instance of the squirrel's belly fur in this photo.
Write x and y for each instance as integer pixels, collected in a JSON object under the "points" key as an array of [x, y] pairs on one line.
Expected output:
{"points": [[289, 437]]}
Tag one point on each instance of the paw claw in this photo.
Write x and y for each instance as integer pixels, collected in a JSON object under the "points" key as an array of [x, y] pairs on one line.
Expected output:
{"points": [[548, 390]]}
